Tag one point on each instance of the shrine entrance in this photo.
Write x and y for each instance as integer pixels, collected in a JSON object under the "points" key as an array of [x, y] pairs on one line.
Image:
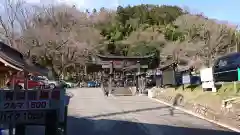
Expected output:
{"points": [[122, 73]]}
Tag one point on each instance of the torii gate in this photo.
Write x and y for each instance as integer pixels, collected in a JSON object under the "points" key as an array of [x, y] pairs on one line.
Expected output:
{"points": [[124, 63]]}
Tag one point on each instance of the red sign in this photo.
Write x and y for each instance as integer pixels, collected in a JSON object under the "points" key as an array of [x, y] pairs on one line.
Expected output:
{"points": [[9, 96], [20, 95], [32, 95], [55, 94], [44, 94]]}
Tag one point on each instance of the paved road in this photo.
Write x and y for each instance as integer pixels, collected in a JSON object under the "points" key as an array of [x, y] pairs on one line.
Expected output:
{"points": [[91, 113]]}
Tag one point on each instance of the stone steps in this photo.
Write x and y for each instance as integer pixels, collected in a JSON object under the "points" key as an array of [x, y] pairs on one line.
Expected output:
{"points": [[122, 91]]}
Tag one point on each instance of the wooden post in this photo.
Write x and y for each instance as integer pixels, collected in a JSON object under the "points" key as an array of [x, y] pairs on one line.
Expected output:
{"points": [[138, 76], [51, 123], [79, 76], [20, 128], [63, 68], [10, 129], [144, 81], [85, 70], [183, 88], [25, 80], [174, 66], [110, 78], [65, 120], [12, 86], [235, 86]]}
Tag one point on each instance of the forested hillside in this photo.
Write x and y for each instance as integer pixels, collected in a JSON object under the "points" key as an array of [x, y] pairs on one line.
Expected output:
{"points": [[62, 37]]}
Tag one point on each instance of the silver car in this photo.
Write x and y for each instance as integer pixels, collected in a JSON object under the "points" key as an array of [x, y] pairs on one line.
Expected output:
{"points": [[51, 83]]}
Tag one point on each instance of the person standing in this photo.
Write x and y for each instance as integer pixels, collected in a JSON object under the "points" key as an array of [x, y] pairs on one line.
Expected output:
{"points": [[158, 78]]}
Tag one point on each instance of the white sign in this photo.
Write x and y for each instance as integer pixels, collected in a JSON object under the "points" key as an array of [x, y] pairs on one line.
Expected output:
{"points": [[144, 66], [206, 74], [209, 84], [106, 66], [21, 116], [186, 79], [42, 104], [207, 79]]}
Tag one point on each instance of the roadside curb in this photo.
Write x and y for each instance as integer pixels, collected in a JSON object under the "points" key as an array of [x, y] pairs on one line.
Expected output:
{"points": [[196, 115]]}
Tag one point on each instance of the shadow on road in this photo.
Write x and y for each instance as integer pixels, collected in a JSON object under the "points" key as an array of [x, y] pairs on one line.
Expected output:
{"points": [[131, 111], [170, 109], [86, 126]]}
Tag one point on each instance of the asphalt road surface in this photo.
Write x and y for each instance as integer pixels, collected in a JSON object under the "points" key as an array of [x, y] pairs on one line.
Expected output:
{"points": [[91, 113]]}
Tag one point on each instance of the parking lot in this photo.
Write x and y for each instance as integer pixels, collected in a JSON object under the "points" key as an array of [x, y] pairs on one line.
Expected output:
{"points": [[91, 113]]}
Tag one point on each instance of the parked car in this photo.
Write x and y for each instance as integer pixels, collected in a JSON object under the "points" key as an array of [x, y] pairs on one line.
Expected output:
{"points": [[93, 84], [225, 68], [51, 83], [19, 81], [67, 84], [151, 80]]}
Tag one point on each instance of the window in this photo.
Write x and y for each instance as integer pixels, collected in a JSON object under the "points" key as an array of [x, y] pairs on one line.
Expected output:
{"points": [[231, 60], [222, 63], [237, 60]]}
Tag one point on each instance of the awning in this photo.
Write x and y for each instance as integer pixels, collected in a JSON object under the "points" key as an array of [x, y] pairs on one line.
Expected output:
{"points": [[14, 59], [9, 65]]}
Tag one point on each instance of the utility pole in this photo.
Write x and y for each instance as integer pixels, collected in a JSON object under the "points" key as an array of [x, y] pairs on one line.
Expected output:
{"points": [[62, 74]]}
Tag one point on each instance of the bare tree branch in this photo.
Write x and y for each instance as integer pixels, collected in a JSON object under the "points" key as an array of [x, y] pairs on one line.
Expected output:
{"points": [[210, 37], [62, 34]]}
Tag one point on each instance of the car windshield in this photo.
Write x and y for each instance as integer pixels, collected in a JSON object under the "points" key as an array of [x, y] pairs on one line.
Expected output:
{"points": [[37, 78]]}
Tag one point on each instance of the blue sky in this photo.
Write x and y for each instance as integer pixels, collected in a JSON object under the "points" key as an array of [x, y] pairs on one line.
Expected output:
{"points": [[226, 10]]}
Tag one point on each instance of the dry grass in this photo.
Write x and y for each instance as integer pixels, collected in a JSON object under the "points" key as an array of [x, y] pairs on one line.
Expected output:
{"points": [[208, 98]]}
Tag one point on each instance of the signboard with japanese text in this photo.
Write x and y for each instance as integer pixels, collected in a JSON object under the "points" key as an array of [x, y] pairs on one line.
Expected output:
{"points": [[24, 105], [22, 116], [30, 106]]}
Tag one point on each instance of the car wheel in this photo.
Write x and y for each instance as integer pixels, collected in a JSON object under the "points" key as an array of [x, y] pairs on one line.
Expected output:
{"points": [[52, 86]]}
